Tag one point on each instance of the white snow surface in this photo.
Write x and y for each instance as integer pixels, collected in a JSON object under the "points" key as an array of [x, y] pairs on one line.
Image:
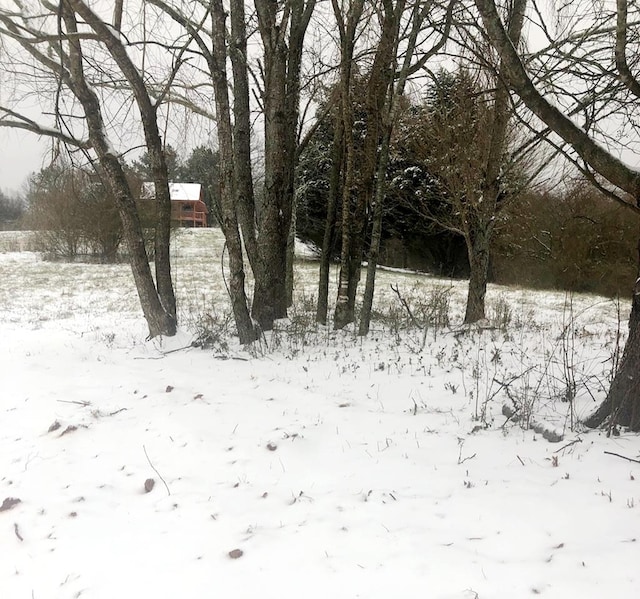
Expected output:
{"points": [[340, 467]]}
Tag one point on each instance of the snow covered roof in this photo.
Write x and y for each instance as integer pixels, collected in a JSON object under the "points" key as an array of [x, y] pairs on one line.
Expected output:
{"points": [[177, 191], [185, 191]]}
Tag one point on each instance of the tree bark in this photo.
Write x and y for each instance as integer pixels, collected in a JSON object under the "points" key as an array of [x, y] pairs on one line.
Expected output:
{"points": [[282, 62], [242, 134], [376, 236], [622, 404], [328, 240], [479, 274], [388, 117], [344, 309], [228, 203]]}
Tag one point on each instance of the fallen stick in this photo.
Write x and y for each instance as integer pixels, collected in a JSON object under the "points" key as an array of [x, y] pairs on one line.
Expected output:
{"points": [[624, 457]]}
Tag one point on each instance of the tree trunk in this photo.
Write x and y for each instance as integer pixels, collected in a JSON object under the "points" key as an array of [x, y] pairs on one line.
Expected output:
{"points": [[159, 321], [488, 204], [344, 310], [328, 240], [376, 236], [291, 256], [622, 404], [388, 118], [380, 78], [343, 313], [282, 62], [479, 273], [228, 200], [244, 191]]}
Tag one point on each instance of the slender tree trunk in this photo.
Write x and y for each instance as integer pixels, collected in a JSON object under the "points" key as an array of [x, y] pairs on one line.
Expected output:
{"points": [[380, 78], [270, 300], [328, 240], [153, 141], [376, 235], [159, 321], [291, 255], [228, 204], [344, 310], [388, 117], [343, 313], [242, 134]]}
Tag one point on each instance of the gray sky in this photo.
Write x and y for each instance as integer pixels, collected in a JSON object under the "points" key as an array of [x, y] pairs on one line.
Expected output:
{"points": [[21, 153]]}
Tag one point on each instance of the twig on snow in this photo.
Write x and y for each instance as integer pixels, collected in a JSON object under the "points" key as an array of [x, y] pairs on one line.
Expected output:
{"points": [[84, 404], [578, 440], [17, 531], [117, 411], [156, 471], [624, 457]]}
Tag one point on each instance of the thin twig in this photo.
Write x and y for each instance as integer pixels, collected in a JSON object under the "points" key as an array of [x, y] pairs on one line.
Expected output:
{"points": [[171, 351], [462, 460], [17, 531], [405, 305], [624, 457], [154, 469], [117, 411], [84, 404], [578, 440]]}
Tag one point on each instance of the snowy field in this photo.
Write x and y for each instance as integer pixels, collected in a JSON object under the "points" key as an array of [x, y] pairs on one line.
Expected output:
{"points": [[316, 464]]}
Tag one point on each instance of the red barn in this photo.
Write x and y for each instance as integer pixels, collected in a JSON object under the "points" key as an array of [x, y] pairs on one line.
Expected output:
{"points": [[187, 207]]}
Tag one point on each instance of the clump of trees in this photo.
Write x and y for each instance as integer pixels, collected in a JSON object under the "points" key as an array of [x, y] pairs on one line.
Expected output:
{"points": [[11, 211]]}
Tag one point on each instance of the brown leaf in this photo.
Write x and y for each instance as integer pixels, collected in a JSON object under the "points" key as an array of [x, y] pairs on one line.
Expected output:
{"points": [[236, 553], [148, 485], [9, 503], [169, 389]]}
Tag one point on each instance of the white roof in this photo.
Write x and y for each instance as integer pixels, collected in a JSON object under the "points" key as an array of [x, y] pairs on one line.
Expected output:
{"points": [[185, 191], [177, 191]]}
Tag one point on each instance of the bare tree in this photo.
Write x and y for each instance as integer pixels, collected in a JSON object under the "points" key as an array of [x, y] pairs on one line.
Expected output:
{"points": [[348, 20], [393, 94], [282, 26], [610, 88], [212, 44], [82, 56], [229, 204]]}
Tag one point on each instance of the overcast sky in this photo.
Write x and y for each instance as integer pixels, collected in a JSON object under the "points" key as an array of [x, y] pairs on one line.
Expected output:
{"points": [[21, 153]]}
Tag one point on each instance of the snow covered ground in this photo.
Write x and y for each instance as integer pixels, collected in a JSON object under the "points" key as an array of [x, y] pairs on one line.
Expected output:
{"points": [[316, 464]]}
